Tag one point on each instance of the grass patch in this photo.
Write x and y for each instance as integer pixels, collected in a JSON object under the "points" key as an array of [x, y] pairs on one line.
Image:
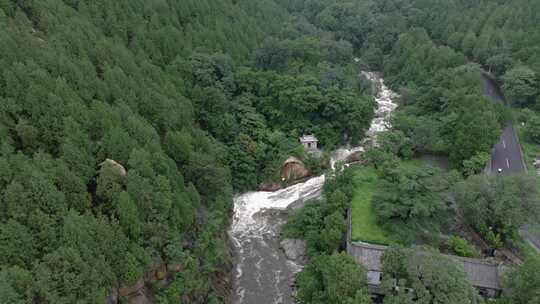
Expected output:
{"points": [[365, 227], [364, 221]]}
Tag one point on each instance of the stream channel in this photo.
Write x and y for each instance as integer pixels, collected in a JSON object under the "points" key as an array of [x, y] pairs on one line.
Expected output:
{"points": [[263, 274]]}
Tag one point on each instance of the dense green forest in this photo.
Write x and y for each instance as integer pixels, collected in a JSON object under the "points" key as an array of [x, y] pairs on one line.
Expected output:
{"points": [[83, 81], [127, 126], [434, 53]]}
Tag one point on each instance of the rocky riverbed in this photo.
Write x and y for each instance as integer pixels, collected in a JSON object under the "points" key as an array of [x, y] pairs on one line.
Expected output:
{"points": [[265, 266]]}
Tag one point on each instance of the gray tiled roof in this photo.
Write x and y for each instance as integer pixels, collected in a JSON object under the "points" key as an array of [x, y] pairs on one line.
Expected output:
{"points": [[308, 138], [481, 273]]}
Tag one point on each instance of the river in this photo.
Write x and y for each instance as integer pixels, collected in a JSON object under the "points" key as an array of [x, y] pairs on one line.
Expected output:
{"points": [[263, 274]]}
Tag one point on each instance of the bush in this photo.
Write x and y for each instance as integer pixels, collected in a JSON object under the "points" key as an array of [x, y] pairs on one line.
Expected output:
{"points": [[462, 248], [333, 279], [322, 223], [533, 129], [475, 164]]}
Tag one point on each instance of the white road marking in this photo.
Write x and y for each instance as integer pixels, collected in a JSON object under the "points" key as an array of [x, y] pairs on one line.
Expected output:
{"points": [[507, 163], [504, 144]]}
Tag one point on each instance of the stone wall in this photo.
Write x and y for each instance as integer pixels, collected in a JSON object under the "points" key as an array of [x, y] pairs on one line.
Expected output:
{"points": [[483, 274]]}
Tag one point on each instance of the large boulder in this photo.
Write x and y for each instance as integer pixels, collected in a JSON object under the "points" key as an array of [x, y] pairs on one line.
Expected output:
{"points": [[295, 249], [354, 157], [118, 169], [293, 169]]}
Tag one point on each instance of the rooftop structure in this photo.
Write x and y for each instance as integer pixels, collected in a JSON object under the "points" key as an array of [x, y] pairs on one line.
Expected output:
{"points": [[482, 274], [309, 141]]}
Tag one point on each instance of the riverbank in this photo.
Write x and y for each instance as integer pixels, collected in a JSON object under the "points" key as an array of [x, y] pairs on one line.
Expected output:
{"points": [[263, 273]]}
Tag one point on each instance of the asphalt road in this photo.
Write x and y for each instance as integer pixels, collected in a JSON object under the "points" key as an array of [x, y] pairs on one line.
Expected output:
{"points": [[491, 89], [506, 156]]}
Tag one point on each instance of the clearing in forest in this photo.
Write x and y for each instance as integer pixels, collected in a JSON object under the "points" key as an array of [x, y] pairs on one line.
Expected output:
{"points": [[364, 220]]}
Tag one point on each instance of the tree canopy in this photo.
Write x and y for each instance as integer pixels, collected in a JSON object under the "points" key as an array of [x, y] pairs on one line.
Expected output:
{"points": [[126, 127], [419, 275], [333, 279], [497, 206], [198, 99]]}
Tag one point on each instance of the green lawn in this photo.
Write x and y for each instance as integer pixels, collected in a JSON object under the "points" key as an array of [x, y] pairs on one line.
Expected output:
{"points": [[364, 222]]}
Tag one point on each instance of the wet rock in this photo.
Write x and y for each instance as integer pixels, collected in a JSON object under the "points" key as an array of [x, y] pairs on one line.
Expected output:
{"points": [[270, 186], [295, 249], [296, 205], [354, 157]]}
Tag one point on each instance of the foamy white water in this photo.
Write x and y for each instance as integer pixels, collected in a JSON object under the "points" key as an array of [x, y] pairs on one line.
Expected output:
{"points": [[341, 154], [247, 205], [384, 98], [385, 105], [263, 274]]}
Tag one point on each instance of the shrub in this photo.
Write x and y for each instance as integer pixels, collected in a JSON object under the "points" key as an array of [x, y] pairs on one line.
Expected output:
{"points": [[462, 248]]}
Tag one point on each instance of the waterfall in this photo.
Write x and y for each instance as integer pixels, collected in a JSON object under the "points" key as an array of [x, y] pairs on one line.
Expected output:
{"points": [[263, 274]]}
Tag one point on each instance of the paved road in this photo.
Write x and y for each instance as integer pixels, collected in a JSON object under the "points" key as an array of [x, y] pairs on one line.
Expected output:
{"points": [[506, 154], [491, 89]]}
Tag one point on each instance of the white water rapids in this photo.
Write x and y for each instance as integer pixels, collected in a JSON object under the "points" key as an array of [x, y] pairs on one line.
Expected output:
{"points": [[263, 274]]}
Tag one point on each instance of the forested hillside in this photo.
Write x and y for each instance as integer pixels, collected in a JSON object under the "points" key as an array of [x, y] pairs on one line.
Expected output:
{"points": [[126, 127], [83, 81], [422, 46], [436, 54]]}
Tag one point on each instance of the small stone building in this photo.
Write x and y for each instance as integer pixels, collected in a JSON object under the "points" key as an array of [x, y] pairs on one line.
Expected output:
{"points": [[310, 142]]}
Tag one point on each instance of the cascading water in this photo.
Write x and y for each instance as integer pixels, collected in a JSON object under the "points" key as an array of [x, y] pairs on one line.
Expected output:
{"points": [[385, 105], [263, 274]]}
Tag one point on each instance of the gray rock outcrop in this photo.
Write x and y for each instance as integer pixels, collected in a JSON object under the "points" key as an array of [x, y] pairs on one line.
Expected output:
{"points": [[295, 249]]}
